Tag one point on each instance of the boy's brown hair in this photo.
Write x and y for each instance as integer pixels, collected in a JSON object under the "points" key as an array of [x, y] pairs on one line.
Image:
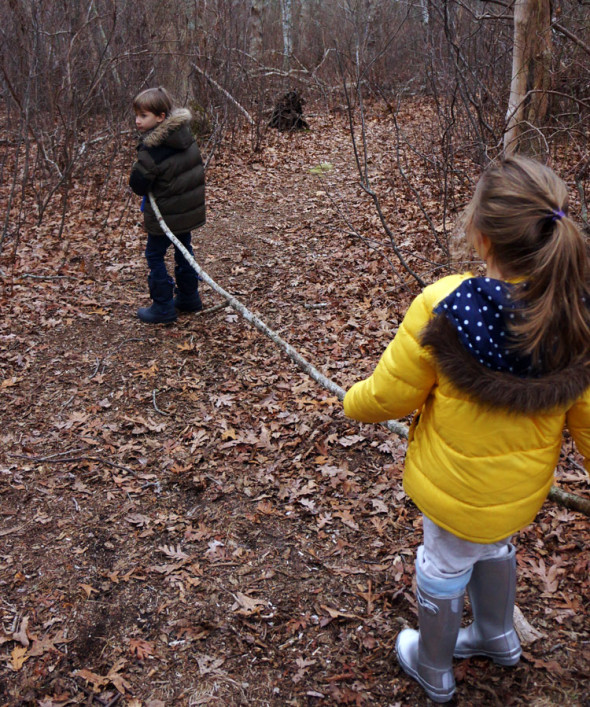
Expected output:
{"points": [[521, 206], [155, 100]]}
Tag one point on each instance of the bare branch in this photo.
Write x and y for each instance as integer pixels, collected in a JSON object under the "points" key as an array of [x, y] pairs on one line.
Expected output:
{"points": [[228, 95], [570, 35]]}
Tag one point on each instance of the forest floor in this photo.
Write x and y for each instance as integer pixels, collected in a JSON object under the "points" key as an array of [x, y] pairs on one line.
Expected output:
{"points": [[185, 517]]}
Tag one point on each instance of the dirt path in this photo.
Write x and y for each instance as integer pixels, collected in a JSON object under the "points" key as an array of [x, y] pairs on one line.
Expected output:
{"points": [[186, 518]]}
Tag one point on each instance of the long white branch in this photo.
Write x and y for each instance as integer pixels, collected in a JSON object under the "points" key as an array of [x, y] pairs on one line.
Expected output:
{"points": [[563, 498], [397, 427]]}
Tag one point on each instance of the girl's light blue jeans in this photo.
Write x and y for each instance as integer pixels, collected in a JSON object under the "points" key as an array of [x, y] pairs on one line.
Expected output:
{"points": [[444, 562]]}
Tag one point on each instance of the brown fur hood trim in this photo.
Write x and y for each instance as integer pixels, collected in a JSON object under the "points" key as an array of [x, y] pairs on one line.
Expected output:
{"points": [[177, 118], [496, 389]]}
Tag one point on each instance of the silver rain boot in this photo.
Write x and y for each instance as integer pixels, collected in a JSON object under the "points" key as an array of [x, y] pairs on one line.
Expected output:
{"points": [[492, 592], [427, 654]]}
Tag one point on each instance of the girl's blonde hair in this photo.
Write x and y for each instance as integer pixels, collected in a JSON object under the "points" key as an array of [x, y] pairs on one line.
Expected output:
{"points": [[155, 100], [521, 206]]}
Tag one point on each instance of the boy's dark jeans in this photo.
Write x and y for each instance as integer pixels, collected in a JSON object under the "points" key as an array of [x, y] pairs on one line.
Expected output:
{"points": [[155, 251]]}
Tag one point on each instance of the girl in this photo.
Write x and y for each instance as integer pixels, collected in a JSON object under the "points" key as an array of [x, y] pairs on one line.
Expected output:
{"points": [[495, 367], [169, 165]]}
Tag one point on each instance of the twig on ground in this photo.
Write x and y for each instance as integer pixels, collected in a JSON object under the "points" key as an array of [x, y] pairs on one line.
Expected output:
{"points": [[53, 458], [215, 308], [48, 277], [156, 408], [569, 500], [573, 462], [106, 358], [98, 362], [66, 403], [48, 457]]}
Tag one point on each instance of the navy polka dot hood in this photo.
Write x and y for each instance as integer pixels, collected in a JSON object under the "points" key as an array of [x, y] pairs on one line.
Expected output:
{"points": [[479, 310], [469, 338]]}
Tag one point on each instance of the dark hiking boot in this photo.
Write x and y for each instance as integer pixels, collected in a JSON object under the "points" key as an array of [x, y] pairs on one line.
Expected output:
{"points": [[162, 310], [187, 292]]}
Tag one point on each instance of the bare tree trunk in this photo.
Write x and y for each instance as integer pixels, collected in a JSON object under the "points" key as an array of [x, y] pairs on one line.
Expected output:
{"points": [[287, 26], [425, 12], [256, 9], [103, 43], [531, 57]]}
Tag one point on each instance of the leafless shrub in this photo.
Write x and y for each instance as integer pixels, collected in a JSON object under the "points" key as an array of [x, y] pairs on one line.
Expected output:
{"points": [[69, 69]]}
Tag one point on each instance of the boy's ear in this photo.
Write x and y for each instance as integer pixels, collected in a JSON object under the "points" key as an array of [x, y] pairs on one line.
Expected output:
{"points": [[161, 118]]}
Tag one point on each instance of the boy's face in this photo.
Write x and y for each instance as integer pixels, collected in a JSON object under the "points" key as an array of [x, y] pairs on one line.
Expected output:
{"points": [[146, 120]]}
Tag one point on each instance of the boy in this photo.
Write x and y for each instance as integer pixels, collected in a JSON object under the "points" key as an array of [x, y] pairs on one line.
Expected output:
{"points": [[169, 164]]}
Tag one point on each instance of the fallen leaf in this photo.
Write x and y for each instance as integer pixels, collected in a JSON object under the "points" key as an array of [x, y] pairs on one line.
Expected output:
{"points": [[97, 681], [137, 519], [88, 589], [208, 664], [174, 552], [246, 605], [18, 657], [349, 440], [551, 666], [116, 678], [9, 382], [142, 649], [337, 614], [9, 531], [346, 517], [379, 506]]}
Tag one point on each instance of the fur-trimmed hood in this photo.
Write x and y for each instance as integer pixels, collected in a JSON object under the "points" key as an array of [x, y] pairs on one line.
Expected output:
{"points": [[173, 132], [467, 338]]}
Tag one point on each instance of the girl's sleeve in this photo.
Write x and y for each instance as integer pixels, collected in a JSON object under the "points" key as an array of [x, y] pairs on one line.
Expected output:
{"points": [[578, 423], [403, 377]]}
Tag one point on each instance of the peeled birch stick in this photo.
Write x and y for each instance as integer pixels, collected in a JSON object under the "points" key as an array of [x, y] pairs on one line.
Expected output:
{"points": [[556, 494]]}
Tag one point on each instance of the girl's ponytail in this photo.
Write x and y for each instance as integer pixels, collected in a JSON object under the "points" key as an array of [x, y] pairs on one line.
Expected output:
{"points": [[555, 324], [521, 206]]}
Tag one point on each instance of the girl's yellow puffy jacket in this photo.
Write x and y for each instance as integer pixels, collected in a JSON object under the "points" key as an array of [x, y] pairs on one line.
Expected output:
{"points": [[487, 435]]}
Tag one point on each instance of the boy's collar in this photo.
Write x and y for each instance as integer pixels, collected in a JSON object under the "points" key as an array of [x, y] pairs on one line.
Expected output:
{"points": [[158, 134]]}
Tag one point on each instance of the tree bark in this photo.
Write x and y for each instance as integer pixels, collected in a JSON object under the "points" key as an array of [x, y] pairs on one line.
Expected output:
{"points": [[531, 60], [256, 9], [287, 26]]}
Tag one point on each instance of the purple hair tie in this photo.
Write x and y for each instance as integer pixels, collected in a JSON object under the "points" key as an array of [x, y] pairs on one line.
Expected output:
{"points": [[556, 215]]}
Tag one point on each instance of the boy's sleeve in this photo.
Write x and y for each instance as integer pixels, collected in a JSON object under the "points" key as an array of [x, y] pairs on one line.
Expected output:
{"points": [[143, 173], [403, 377], [578, 423]]}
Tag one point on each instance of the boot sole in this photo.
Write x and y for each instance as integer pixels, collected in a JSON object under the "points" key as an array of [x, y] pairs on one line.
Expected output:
{"points": [[156, 321], [438, 696], [506, 661]]}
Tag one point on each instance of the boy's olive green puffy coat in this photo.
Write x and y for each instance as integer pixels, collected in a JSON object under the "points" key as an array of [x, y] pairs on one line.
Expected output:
{"points": [[169, 164], [484, 445]]}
